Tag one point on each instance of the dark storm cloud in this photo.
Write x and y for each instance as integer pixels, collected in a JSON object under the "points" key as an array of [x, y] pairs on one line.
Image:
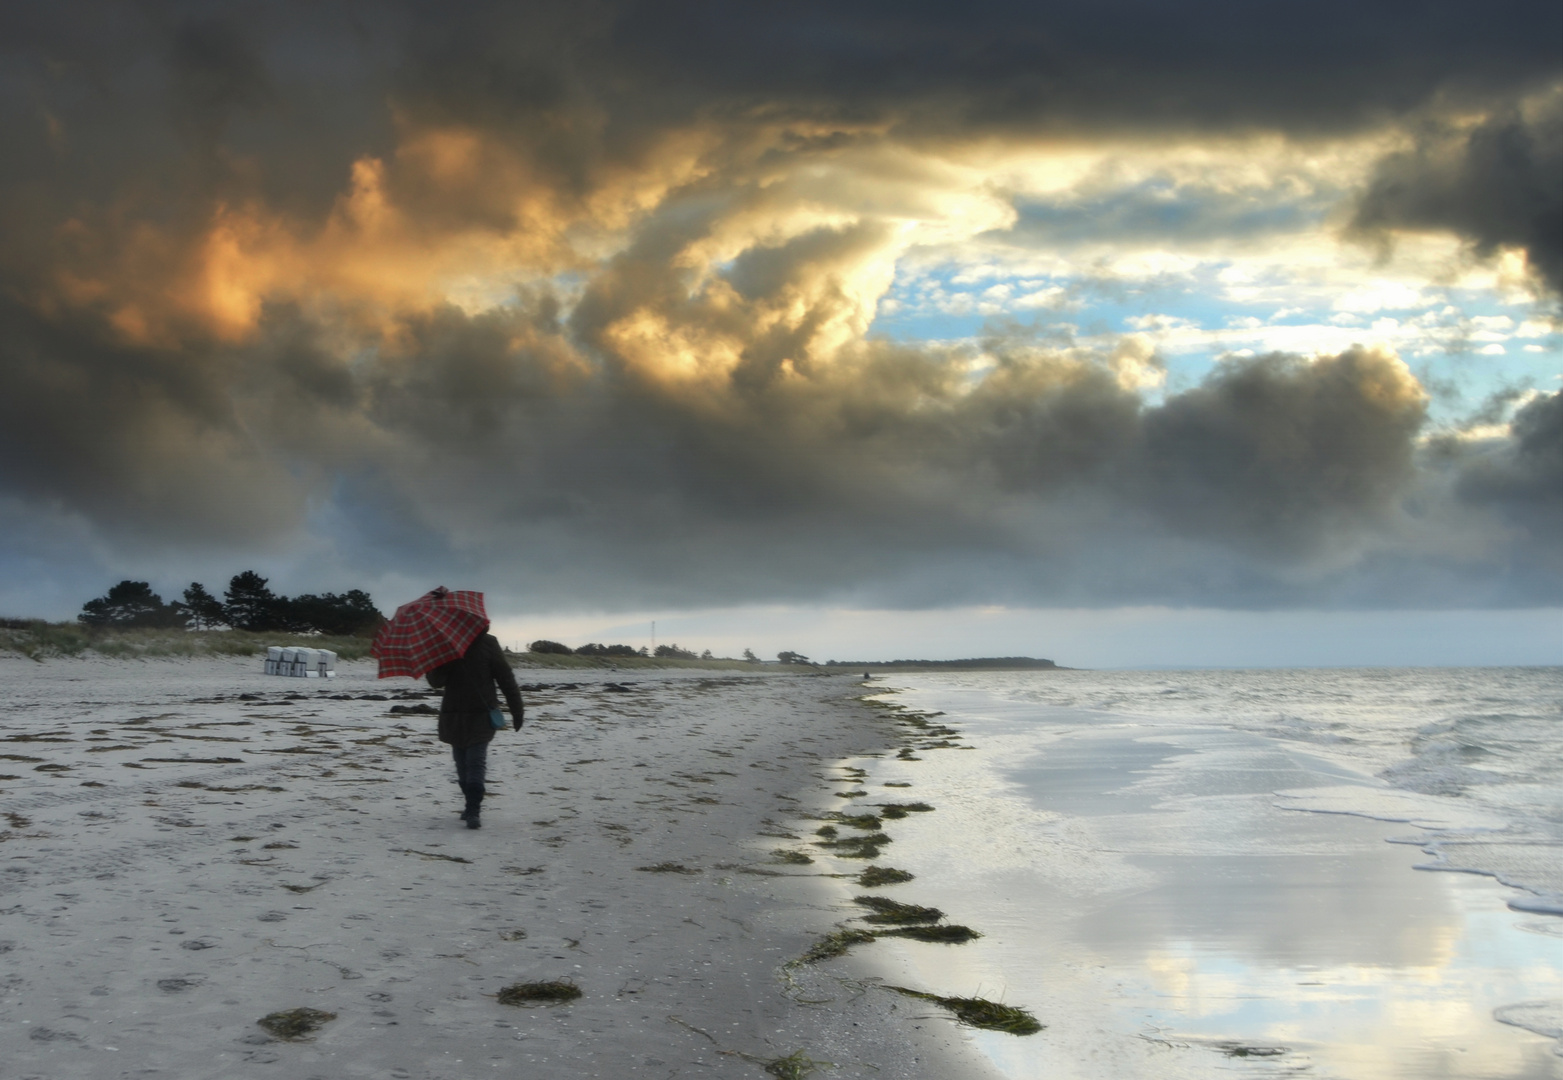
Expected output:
{"points": [[140, 439], [230, 239], [486, 444], [1522, 480], [1498, 184], [1134, 63], [1284, 456]]}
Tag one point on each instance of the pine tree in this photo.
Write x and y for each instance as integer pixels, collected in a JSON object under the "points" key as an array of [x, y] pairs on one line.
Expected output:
{"points": [[250, 605], [199, 609], [130, 603], [353, 612]]}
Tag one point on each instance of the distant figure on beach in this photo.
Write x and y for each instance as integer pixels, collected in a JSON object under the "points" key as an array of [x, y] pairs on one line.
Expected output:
{"points": [[468, 713]]}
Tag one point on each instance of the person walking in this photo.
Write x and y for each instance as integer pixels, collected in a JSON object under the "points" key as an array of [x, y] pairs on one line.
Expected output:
{"points": [[469, 714]]}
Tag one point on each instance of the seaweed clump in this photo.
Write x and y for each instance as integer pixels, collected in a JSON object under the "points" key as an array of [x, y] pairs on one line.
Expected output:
{"points": [[980, 1012], [856, 847], [795, 1066], [551, 992], [1237, 1050], [835, 944], [895, 811], [894, 913], [875, 876], [295, 1024], [943, 934], [669, 868], [864, 822], [791, 858]]}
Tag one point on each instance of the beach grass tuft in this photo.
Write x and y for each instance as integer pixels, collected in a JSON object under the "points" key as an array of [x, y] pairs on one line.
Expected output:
{"points": [[295, 1024], [980, 1012], [875, 876], [551, 992], [894, 913]]}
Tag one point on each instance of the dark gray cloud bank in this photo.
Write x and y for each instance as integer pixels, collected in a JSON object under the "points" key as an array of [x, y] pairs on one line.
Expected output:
{"points": [[161, 411]]}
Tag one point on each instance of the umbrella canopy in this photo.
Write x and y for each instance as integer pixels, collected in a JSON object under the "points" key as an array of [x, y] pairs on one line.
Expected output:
{"points": [[434, 629]]}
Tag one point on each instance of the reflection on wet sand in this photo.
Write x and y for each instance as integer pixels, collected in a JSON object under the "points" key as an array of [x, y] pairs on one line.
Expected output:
{"points": [[1171, 917]]}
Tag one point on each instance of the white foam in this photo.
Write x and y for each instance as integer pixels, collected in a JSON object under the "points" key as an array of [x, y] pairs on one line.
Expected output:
{"points": [[1541, 1017], [1391, 804]]}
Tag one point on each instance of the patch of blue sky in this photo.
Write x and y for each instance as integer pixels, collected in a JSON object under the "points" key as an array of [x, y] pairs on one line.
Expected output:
{"points": [[1466, 344], [1207, 269]]}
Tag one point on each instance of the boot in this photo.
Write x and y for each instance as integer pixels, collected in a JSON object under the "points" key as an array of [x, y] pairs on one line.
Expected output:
{"points": [[474, 806], [466, 794]]}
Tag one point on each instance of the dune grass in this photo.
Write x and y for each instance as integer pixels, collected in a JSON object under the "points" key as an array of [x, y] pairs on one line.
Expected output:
{"points": [[40, 640], [628, 663]]}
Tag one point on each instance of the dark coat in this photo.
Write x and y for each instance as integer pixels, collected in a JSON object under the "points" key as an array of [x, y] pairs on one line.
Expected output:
{"points": [[470, 692]]}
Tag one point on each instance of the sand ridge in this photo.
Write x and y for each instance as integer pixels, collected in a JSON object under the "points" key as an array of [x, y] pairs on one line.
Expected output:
{"points": [[189, 845]]}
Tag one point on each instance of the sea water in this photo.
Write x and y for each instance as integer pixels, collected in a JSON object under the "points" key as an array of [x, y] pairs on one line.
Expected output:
{"points": [[1335, 874]]}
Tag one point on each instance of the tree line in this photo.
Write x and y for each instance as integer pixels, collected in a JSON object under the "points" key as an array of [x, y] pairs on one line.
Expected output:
{"points": [[248, 604], [592, 648], [666, 652]]}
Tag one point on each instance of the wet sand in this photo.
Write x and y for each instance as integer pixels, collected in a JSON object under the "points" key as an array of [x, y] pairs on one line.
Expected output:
{"points": [[189, 846]]}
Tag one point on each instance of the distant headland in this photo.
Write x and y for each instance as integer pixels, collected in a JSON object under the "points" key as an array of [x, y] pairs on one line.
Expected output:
{"points": [[978, 663]]}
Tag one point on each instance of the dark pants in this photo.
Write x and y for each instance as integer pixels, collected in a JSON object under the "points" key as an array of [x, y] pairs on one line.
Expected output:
{"points": [[471, 770]]}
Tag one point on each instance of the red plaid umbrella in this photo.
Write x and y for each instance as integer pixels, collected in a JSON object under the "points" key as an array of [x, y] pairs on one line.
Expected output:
{"points": [[434, 629]]}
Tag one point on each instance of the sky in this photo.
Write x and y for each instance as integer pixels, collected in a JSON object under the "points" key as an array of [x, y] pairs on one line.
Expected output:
{"points": [[1122, 333]]}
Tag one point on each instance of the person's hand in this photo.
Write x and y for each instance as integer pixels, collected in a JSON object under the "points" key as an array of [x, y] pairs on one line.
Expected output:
{"points": [[517, 720]]}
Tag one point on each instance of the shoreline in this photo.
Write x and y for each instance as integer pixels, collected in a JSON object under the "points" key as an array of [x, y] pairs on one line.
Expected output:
{"points": [[211, 859]]}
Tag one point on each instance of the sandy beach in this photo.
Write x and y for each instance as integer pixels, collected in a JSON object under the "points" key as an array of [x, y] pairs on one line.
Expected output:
{"points": [[191, 846]]}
